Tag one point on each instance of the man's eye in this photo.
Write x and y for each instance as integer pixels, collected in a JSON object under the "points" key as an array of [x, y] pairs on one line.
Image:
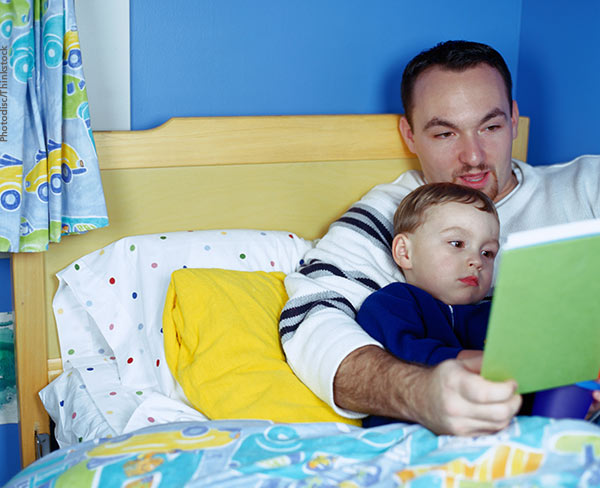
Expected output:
{"points": [[492, 128], [459, 244], [443, 135]]}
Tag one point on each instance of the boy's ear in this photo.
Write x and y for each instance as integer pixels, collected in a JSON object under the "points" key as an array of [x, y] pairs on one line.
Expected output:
{"points": [[401, 251]]}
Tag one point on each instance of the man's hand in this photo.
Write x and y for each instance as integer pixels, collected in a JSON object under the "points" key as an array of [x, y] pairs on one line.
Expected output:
{"points": [[451, 398], [467, 404]]}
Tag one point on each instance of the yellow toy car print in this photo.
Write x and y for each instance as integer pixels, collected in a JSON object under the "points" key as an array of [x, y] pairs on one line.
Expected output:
{"points": [[72, 50], [11, 174], [51, 171]]}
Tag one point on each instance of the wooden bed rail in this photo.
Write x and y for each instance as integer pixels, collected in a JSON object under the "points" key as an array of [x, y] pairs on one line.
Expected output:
{"points": [[31, 356]]}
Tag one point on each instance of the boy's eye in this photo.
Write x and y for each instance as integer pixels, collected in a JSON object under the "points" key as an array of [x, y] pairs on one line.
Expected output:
{"points": [[488, 254], [457, 244], [443, 135]]}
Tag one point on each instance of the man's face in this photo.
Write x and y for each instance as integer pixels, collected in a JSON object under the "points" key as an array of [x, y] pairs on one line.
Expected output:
{"points": [[462, 129], [451, 255]]}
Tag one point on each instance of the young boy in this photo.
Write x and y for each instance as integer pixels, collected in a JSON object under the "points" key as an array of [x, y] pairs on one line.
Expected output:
{"points": [[445, 242]]}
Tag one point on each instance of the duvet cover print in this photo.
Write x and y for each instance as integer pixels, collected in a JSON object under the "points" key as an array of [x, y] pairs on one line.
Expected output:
{"points": [[532, 451]]}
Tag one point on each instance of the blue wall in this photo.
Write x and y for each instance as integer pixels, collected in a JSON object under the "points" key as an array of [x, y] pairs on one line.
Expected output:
{"points": [[273, 57], [559, 78], [269, 57]]}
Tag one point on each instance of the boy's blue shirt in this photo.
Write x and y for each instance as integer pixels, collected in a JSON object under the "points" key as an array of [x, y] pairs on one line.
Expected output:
{"points": [[416, 327]]}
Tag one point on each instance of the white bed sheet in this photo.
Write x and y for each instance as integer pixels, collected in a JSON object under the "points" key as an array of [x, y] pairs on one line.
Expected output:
{"points": [[108, 310]]}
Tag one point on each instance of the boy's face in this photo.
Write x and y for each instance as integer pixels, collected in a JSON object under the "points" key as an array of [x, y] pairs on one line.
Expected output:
{"points": [[451, 255]]}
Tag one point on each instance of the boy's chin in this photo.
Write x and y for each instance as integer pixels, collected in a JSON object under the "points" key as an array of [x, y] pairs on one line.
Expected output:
{"points": [[465, 299]]}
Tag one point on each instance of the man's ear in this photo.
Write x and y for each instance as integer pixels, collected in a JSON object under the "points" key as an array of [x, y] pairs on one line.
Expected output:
{"points": [[515, 119], [401, 251], [407, 133]]}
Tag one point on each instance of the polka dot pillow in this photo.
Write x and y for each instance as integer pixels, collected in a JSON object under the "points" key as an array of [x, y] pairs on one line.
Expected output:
{"points": [[109, 303]]}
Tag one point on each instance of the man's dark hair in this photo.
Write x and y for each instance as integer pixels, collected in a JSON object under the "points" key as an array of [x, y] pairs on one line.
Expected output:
{"points": [[453, 56]]}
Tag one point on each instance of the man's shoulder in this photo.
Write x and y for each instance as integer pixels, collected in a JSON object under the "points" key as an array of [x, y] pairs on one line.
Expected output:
{"points": [[582, 164]]}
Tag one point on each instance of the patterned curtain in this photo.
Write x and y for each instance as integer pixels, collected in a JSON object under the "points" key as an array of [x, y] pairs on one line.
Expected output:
{"points": [[49, 178]]}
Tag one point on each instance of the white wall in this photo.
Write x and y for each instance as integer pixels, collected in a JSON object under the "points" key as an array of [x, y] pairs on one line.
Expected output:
{"points": [[104, 37]]}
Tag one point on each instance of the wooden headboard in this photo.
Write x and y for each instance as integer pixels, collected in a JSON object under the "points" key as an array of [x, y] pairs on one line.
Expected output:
{"points": [[294, 173]]}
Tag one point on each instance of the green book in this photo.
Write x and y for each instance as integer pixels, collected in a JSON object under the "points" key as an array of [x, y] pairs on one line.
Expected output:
{"points": [[544, 328]]}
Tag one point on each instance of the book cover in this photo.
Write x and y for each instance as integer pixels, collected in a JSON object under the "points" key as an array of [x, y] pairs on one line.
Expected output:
{"points": [[544, 328]]}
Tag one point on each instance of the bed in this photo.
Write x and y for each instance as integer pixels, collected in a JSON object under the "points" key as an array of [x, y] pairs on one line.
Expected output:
{"points": [[194, 201]]}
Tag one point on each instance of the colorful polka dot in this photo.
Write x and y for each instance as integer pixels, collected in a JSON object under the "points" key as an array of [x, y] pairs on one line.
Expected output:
{"points": [[101, 351], [101, 252], [60, 311], [157, 363], [151, 420], [113, 358], [129, 360], [140, 326], [163, 237], [290, 236], [263, 233], [207, 248], [89, 303], [112, 281], [77, 267], [62, 403], [111, 326], [112, 393], [242, 256], [70, 352], [134, 295], [223, 233], [154, 265], [74, 415], [132, 247], [82, 387], [109, 412], [139, 392], [272, 263], [90, 369]]}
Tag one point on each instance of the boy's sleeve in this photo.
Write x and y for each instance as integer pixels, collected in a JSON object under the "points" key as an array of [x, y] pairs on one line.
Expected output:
{"points": [[413, 328]]}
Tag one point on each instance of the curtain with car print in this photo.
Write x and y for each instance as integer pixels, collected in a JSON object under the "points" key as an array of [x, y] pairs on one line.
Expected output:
{"points": [[49, 178]]}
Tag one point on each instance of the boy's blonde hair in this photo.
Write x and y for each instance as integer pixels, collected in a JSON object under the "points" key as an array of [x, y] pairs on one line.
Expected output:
{"points": [[410, 213]]}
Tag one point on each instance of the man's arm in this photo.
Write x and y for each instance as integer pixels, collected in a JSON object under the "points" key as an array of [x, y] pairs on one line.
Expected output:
{"points": [[317, 325], [450, 398]]}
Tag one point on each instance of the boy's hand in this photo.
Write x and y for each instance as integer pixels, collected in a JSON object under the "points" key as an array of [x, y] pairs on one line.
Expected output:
{"points": [[595, 402]]}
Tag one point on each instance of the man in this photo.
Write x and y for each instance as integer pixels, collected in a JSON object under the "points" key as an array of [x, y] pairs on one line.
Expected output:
{"points": [[460, 120]]}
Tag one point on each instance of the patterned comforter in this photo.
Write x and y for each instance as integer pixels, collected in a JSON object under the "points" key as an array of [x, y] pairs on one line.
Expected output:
{"points": [[532, 451]]}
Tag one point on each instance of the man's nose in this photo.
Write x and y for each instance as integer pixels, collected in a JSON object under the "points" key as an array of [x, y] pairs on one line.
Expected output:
{"points": [[471, 151]]}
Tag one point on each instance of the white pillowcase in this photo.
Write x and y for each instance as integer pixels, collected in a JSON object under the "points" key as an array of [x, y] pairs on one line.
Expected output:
{"points": [[108, 310]]}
